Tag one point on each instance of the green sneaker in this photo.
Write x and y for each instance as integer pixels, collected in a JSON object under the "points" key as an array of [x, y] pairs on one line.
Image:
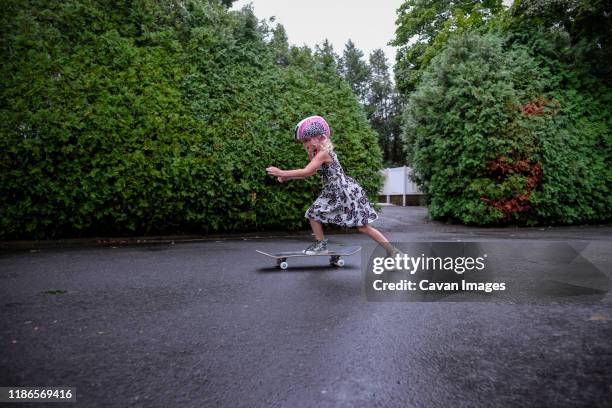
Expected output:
{"points": [[393, 255], [395, 252], [317, 247]]}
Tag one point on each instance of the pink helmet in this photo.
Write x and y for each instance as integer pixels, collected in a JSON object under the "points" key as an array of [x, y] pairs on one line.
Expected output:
{"points": [[310, 127]]}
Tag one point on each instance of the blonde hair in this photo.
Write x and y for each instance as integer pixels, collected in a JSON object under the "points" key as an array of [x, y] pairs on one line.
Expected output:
{"points": [[327, 145]]}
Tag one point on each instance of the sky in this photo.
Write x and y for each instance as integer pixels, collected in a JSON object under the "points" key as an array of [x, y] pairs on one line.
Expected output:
{"points": [[369, 24]]}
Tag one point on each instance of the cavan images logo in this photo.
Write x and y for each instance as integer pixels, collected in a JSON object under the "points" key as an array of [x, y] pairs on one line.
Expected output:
{"points": [[481, 271]]}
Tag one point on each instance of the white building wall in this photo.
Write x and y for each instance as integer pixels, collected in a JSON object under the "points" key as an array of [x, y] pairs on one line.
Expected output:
{"points": [[398, 182]]}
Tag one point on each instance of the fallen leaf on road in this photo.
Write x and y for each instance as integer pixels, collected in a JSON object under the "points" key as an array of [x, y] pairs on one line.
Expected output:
{"points": [[600, 317], [55, 292]]}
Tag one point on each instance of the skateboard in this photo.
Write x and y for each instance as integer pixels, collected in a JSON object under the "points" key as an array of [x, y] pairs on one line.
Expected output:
{"points": [[334, 254]]}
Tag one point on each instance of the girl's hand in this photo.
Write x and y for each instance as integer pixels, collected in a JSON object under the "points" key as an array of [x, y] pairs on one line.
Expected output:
{"points": [[281, 179], [274, 171]]}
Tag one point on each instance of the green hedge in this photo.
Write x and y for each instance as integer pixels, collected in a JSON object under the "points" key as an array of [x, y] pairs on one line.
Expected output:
{"points": [[158, 117], [498, 135]]}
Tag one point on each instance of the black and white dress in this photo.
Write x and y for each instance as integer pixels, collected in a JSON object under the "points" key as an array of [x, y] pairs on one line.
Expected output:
{"points": [[342, 200]]}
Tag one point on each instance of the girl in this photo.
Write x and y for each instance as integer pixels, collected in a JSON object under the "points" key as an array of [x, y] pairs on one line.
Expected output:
{"points": [[342, 201]]}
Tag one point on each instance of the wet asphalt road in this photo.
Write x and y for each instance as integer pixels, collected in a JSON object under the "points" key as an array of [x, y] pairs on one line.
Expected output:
{"points": [[213, 324]]}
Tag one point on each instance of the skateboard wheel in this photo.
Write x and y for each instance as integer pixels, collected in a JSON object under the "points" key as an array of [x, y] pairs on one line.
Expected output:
{"points": [[283, 265], [340, 262]]}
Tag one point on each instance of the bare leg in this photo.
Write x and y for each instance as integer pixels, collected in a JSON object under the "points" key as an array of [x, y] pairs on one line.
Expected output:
{"points": [[377, 236], [317, 229]]}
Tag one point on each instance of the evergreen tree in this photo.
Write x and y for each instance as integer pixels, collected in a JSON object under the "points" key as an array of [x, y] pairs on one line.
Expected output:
{"points": [[355, 71], [280, 45], [394, 130], [381, 110], [424, 27], [301, 57], [583, 26], [158, 117], [497, 135], [326, 58]]}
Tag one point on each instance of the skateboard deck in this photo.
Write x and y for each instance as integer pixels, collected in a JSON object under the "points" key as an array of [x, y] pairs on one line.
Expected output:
{"points": [[334, 254]]}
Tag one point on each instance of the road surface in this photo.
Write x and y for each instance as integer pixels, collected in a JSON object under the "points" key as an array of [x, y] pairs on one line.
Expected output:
{"points": [[213, 324]]}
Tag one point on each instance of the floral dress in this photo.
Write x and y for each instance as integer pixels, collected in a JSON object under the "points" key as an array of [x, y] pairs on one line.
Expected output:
{"points": [[342, 200]]}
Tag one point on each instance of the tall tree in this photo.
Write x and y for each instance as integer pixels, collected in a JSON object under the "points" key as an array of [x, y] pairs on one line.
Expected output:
{"points": [[381, 87], [325, 57], [583, 26], [280, 45], [355, 71], [301, 57], [394, 129], [424, 27], [381, 109]]}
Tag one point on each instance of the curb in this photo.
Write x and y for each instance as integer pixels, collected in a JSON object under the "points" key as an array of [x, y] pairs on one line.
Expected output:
{"points": [[35, 245]]}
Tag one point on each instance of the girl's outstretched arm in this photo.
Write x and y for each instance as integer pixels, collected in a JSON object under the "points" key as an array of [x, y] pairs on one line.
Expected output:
{"points": [[309, 170], [283, 179]]}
